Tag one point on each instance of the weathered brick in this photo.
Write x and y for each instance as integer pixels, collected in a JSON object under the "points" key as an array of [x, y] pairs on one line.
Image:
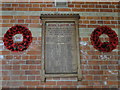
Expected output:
{"points": [[49, 9], [7, 9], [7, 17], [78, 10], [64, 9], [36, 5], [21, 9], [35, 9], [31, 83], [20, 17]]}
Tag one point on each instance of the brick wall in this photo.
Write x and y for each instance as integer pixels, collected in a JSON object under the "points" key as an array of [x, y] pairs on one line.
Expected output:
{"points": [[23, 69]]}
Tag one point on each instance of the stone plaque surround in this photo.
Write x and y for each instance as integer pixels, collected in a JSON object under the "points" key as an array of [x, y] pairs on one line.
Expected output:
{"points": [[60, 46]]}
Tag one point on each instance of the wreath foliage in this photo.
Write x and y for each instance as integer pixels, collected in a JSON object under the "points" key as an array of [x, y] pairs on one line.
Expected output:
{"points": [[18, 29], [104, 46]]}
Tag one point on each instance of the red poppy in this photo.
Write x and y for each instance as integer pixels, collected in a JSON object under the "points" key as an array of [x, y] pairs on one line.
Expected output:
{"points": [[18, 29], [104, 46]]}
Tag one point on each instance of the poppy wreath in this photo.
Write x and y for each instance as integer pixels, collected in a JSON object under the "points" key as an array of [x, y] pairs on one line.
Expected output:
{"points": [[18, 29], [104, 46]]}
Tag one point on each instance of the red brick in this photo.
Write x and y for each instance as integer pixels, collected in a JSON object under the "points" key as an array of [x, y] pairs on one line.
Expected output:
{"points": [[33, 62], [21, 9], [7, 17], [70, 5], [23, 77], [24, 67], [112, 82], [93, 62], [89, 77], [105, 10], [39, 57], [96, 67], [34, 38], [92, 10], [91, 2], [38, 67], [9, 57], [50, 83], [35, 21], [20, 17], [84, 6], [7, 67], [31, 77], [6, 21], [100, 22], [25, 57], [84, 83], [22, 5], [32, 72], [97, 77], [91, 6], [6, 77], [49, 9], [7, 9], [98, 6], [20, 21], [104, 2], [106, 22], [114, 22], [31, 83], [64, 9], [85, 39], [35, 25], [43, 5], [17, 57], [105, 6], [29, 5], [7, 5], [82, 17], [93, 26], [64, 83], [93, 22], [27, 21], [86, 22], [13, 21], [4, 52], [34, 17], [36, 5], [78, 2], [78, 6], [1, 21], [83, 26], [100, 72], [14, 5], [33, 57], [114, 3], [78, 10], [111, 6], [116, 10], [38, 77], [35, 9], [16, 67], [49, 5], [32, 67], [96, 18]]}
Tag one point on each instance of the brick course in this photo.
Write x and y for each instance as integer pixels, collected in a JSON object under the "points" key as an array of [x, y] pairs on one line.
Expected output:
{"points": [[23, 69]]}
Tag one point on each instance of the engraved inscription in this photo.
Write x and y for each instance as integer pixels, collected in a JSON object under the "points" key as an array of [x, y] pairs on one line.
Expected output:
{"points": [[60, 48]]}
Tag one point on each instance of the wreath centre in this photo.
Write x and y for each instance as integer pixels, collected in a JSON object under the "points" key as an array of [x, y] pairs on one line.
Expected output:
{"points": [[106, 46], [18, 38], [104, 38]]}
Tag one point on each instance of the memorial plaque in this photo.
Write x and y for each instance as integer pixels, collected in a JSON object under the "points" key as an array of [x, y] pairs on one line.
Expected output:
{"points": [[60, 48]]}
